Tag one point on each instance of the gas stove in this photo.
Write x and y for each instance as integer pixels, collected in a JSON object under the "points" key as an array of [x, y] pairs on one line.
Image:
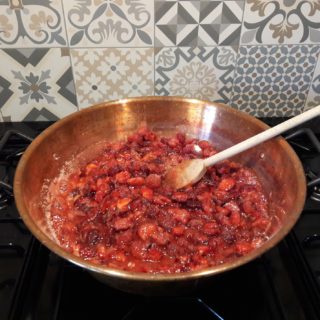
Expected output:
{"points": [[284, 283]]}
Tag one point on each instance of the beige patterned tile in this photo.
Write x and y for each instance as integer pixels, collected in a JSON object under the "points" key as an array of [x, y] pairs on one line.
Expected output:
{"points": [[274, 22], [107, 74], [36, 84], [111, 23], [199, 72], [30, 24]]}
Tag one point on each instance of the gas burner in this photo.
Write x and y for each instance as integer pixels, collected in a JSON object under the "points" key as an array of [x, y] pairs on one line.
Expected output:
{"points": [[6, 194], [180, 307], [313, 185], [282, 284], [3, 200], [310, 240], [315, 143], [310, 156], [12, 247], [315, 195], [9, 134], [9, 157]]}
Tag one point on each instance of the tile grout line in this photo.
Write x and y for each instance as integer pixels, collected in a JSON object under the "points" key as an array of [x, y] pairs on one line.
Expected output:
{"points": [[65, 23], [68, 46], [312, 78], [151, 47], [237, 55]]}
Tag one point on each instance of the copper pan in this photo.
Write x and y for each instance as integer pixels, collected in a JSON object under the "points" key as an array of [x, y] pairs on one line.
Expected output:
{"points": [[279, 168]]}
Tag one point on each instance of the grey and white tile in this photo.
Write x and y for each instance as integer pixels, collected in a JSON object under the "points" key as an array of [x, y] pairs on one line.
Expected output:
{"points": [[113, 73], [313, 98], [197, 23], [36, 84], [273, 80], [287, 22], [30, 24], [116, 23], [200, 72]]}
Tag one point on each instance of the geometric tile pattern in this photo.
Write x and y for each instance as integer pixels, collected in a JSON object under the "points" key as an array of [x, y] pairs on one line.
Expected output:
{"points": [[107, 74], [273, 80], [56, 56], [31, 24], [314, 91], [5, 92], [200, 72], [274, 22], [197, 23], [36, 84], [114, 23]]}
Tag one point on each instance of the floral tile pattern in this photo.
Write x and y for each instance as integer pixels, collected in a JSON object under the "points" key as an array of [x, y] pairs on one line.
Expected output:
{"points": [[109, 23], [197, 23], [287, 21], [56, 56], [273, 80], [107, 74], [201, 72], [36, 84], [314, 91], [31, 24]]}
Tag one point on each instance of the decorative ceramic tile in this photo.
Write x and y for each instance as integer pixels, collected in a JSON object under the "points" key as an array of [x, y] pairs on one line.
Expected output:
{"points": [[36, 84], [109, 23], [273, 80], [201, 72], [287, 21], [202, 23], [314, 91], [107, 74], [31, 24]]}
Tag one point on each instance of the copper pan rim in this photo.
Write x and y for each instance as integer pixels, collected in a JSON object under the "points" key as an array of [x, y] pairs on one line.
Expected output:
{"points": [[54, 247]]}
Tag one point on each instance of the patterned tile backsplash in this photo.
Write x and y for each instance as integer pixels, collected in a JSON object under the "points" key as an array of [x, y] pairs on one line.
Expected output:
{"points": [[197, 23], [199, 72], [108, 23], [273, 80], [59, 56], [36, 84], [107, 74]]}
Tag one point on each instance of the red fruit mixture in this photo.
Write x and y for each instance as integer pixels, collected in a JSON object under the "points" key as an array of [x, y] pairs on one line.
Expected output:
{"points": [[117, 212]]}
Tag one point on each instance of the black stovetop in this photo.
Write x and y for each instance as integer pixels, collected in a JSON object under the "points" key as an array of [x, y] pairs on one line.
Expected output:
{"points": [[282, 284]]}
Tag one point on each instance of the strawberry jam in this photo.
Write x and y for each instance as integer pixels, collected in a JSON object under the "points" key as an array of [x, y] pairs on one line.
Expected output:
{"points": [[116, 211]]}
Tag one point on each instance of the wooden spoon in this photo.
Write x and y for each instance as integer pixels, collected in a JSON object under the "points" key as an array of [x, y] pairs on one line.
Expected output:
{"points": [[190, 171]]}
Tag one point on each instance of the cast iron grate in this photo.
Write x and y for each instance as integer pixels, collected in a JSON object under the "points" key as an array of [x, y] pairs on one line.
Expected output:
{"points": [[10, 156], [12, 146], [310, 157]]}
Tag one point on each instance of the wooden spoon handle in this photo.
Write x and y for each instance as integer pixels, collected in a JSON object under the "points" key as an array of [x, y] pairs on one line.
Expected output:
{"points": [[263, 136]]}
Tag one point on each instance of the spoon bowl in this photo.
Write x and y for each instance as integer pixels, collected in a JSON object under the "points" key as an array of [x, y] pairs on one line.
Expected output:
{"points": [[191, 171]]}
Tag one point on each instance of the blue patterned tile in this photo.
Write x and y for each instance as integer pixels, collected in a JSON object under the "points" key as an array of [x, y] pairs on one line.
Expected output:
{"points": [[273, 80], [200, 72]]}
